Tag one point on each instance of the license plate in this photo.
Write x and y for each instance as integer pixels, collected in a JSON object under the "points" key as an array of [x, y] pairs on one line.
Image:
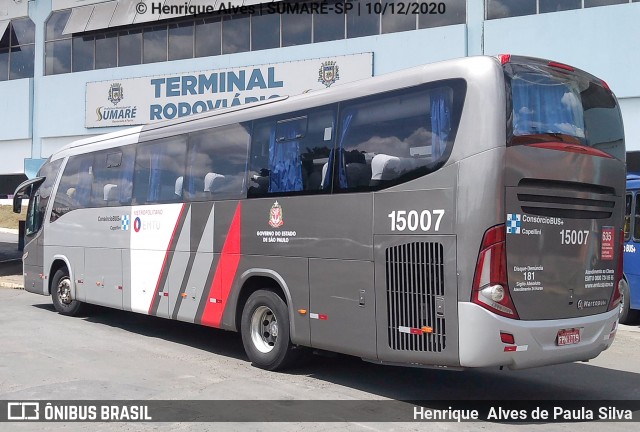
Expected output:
{"points": [[568, 337]]}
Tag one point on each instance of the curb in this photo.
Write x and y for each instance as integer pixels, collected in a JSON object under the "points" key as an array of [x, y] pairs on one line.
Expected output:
{"points": [[11, 285]]}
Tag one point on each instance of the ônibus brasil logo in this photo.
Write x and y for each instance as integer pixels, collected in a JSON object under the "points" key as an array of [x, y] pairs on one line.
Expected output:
{"points": [[275, 215]]}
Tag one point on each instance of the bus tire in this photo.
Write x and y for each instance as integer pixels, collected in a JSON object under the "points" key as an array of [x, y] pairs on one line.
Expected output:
{"points": [[627, 315], [266, 332], [61, 294]]}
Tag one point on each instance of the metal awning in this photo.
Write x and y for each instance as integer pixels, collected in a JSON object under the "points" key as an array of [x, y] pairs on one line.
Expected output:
{"points": [[78, 20], [125, 13], [91, 15], [3, 27], [101, 17]]}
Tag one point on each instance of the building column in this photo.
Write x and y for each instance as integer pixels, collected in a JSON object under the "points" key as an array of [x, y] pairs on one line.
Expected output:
{"points": [[475, 27]]}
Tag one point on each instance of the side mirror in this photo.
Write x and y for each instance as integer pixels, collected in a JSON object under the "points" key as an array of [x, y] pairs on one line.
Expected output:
{"points": [[25, 190]]}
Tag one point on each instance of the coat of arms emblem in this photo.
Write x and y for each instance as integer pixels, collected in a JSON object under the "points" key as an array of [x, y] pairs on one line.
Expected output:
{"points": [[115, 93], [275, 215], [329, 73]]}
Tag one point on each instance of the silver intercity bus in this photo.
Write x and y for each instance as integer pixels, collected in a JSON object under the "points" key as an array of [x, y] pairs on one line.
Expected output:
{"points": [[462, 214]]}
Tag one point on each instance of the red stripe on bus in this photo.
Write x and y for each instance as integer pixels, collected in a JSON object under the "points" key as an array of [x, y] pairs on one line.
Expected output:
{"points": [[164, 262], [572, 148], [225, 273]]}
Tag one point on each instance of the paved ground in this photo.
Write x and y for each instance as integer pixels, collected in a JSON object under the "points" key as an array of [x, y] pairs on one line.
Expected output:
{"points": [[9, 245], [109, 354]]}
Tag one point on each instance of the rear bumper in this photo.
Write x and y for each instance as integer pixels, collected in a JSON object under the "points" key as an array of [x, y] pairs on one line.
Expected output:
{"points": [[535, 341]]}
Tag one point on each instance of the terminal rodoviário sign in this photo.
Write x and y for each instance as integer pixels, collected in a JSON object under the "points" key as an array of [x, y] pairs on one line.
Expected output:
{"points": [[143, 100]]}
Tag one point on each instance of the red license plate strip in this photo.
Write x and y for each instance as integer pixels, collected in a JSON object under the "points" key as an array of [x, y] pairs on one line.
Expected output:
{"points": [[568, 337]]}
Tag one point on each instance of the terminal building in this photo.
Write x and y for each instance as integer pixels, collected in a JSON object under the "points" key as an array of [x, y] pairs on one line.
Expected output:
{"points": [[71, 69]]}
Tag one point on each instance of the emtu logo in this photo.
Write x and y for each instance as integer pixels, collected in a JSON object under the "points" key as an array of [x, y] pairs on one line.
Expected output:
{"points": [[23, 411], [514, 221]]}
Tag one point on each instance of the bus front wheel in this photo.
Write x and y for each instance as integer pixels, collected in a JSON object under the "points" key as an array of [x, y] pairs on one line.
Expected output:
{"points": [[61, 294], [265, 331]]}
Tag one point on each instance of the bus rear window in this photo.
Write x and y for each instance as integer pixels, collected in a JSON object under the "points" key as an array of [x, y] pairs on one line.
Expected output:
{"points": [[549, 105]]}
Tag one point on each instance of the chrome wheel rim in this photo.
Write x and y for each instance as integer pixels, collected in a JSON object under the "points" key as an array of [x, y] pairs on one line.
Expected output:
{"points": [[64, 291], [264, 329]]}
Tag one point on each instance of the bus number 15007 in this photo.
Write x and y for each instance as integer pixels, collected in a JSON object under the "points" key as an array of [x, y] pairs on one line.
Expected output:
{"points": [[414, 220]]}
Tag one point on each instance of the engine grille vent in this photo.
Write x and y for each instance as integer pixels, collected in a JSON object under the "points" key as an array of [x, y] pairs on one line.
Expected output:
{"points": [[415, 296]]}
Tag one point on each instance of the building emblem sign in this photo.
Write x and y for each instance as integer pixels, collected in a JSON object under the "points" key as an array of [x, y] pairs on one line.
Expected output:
{"points": [[165, 97]]}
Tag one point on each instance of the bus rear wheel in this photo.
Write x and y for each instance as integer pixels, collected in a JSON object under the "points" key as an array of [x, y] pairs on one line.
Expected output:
{"points": [[61, 294], [265, 331]]}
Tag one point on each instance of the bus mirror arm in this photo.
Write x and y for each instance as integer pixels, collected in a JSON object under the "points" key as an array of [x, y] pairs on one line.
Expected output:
{"points": [[25, 190]]}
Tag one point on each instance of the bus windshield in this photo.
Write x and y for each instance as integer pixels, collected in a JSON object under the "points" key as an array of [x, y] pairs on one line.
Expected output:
{"points": [[555, 105]]}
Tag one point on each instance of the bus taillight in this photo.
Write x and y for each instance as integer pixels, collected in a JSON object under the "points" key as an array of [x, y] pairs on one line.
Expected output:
{"points": [[490, 285], [504, 58], [616, 296]]}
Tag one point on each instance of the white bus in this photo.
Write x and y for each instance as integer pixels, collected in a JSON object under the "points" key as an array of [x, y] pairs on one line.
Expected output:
{"points": [[466, 213]]}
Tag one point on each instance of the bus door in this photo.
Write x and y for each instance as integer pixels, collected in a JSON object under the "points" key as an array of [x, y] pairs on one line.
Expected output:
{"points": [[33, 254]]}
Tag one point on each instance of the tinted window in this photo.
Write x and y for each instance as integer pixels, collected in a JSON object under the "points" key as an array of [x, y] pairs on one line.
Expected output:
{"points": [[208, 37], [106, 51], [36, 214], [55, 24], [636, 226], [329, 26], [595, 3], [559, 5], [627, 217], [181, 41], [129, 47], [235, 34], [392, 21], [552, 105], [74, 190], [391, 138], [265, 31], [217, 163], [155, 44], [112, 177], [159, 171], [22, 62], [22, 32], [510, 8], [296, 29], [83, 53], [455, 13], [58, 57], [362, 24], [4, 64], [290, 153]]}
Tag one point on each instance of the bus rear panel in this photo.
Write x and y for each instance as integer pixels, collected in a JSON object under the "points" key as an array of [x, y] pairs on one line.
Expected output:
{"points": [[549, 275]]}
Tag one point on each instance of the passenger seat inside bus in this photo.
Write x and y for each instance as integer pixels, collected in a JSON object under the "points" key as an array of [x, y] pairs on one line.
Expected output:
{"points": [[213, 182]]}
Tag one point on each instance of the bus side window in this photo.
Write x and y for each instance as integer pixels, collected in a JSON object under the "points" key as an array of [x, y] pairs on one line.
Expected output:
{"points": [[395, 137], [290, 153], [636, 223], [74, 190], [158, 166], [216, 163], [627, 217], [107, 167], [50, 172]]}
